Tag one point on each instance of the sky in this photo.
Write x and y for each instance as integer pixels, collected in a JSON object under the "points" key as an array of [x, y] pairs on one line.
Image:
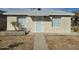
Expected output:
{"points": [[67, 9], [71, 9]]}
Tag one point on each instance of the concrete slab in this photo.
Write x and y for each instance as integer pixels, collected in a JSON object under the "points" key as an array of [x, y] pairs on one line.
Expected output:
{"points": [[40, 42]]}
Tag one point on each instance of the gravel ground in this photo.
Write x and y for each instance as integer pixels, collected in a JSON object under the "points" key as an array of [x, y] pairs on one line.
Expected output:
{"points": [[62, 42], [16, 42]]}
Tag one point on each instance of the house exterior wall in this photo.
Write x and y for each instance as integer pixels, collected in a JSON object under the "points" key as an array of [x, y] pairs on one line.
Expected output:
{"points": [[31, 24], [3, 23], [66, 24], [9, 20], [64, 28], [14, 19], [49, 28]]}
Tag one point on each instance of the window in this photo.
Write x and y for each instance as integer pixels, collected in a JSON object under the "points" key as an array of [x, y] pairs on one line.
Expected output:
{"points": [[56, 22], [22, 21]]}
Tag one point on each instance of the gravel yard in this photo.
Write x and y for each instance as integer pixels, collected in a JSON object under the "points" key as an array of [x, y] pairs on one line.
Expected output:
{"points": [[26, 42], [62, 42], [16, 42]]}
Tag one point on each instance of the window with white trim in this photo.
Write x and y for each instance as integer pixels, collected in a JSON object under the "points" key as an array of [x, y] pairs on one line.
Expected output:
{"points": [[22, 21], [56, 21]]}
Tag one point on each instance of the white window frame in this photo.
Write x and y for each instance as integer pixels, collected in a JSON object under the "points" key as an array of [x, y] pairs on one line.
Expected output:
{"points": [[54, 18], [20, 17]]}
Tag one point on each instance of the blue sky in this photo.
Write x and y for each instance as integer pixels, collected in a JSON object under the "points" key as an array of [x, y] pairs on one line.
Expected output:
{"points": [[67, 9], [71, 9]]}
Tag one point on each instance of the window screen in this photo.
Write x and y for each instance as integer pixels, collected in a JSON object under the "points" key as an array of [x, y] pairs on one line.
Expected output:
{"points": [[22, 21], [56, 22]]}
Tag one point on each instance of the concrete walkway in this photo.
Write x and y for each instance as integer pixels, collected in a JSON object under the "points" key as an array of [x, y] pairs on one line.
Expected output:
{"points": [[40, 42]]}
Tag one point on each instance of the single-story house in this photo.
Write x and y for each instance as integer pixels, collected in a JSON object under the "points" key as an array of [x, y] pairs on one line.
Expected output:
{"points": [[48, 21]]}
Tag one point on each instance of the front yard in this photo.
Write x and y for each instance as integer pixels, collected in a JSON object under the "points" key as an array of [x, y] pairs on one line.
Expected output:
{"points": [[16, 42], [62, 42], [26, 42]]}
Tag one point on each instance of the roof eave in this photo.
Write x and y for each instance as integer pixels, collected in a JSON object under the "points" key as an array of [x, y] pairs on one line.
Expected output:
{"points": [[72, 14]]}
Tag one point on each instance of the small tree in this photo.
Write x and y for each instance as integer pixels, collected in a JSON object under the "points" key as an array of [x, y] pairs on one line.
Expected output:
{"points": [[14, 24], [20, 26]]}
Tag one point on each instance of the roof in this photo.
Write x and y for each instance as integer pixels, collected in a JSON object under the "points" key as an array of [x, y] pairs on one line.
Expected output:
{"points": [[25, 11]]}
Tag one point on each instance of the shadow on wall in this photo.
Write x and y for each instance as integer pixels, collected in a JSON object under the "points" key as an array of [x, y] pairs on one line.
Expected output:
{"points": [[3, 23], [38, 18]]}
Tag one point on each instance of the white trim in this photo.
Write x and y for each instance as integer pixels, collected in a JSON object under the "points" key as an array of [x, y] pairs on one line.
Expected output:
{"points": [[39, 13]]}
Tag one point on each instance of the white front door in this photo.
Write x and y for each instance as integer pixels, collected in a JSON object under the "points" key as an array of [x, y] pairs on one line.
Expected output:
{"points": [[39, 24]]}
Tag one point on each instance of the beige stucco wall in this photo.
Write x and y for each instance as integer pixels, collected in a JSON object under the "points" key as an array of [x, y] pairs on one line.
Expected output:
{"points": [[66, 24], [49, 28], [64, 28], [9, 20], [30, 23]]}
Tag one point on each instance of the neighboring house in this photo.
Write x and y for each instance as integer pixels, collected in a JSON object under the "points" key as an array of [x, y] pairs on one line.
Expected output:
{"points": [[38, 20]]}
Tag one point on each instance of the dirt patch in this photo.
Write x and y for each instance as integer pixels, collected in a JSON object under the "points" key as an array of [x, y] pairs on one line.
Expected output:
{"points": [[62, 42], [16, 42]]}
